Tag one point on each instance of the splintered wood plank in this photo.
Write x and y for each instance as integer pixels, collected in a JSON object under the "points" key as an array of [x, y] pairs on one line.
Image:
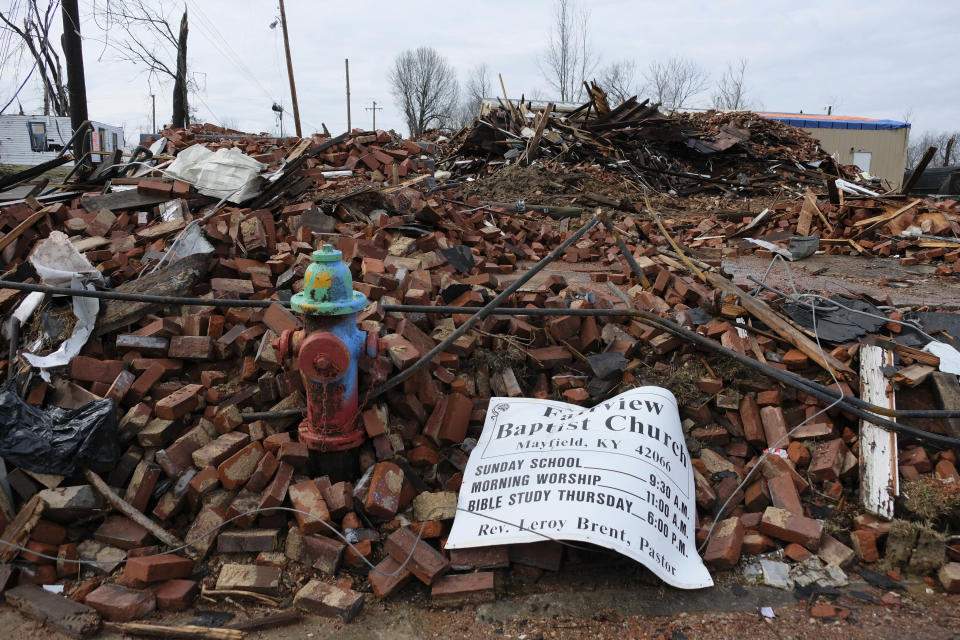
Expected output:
{"points": [[18, 532], [879, 482], [806, 214]]}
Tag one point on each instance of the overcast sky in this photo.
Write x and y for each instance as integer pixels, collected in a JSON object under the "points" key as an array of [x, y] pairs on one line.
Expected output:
{"points": [[881, 59]]}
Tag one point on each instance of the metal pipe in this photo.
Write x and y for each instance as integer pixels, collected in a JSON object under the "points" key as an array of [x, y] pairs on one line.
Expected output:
{"points": [[504, 311], [138, 297], [479, 315]]}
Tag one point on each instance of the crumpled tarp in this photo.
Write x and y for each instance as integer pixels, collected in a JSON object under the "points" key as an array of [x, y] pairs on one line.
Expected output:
{"points": [[219, 173]]}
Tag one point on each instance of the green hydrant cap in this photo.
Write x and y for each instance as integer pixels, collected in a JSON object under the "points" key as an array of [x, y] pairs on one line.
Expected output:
{"points": [[328, 287]]}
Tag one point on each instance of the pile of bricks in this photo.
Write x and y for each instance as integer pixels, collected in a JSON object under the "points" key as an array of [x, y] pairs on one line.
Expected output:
{"points": [[183, 377]]}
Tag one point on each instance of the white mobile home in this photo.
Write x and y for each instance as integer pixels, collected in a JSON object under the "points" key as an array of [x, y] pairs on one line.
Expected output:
{"points": [[30, 140]]}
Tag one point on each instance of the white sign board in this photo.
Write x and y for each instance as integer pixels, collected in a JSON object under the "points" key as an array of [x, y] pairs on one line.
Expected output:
{"points": [[617, 475]]}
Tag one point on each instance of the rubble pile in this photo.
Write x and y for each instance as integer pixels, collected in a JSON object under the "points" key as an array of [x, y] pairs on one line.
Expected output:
{"points": [[201, 469], [730, 153]]}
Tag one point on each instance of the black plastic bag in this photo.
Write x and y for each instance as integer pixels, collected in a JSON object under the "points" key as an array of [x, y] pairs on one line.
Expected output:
{"points": [[55, 440]]}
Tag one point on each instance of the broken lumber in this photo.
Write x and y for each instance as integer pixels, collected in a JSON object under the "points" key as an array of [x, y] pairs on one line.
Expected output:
{"points": [[171, 631], [131, 512], [879, 480]]}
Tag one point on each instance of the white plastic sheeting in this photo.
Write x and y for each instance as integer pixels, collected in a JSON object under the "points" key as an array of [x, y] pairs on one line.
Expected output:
{"points": [[224, 173]]}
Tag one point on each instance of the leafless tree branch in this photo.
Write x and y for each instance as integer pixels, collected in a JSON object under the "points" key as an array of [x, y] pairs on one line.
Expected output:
{"points": [[618, 79], [425, 85], [569, 57], [730, 92], [675, 81]]}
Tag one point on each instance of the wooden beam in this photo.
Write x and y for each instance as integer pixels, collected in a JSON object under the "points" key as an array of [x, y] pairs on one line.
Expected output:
{"points": [[171, 631], [33, 172], [23, 226], [918, 171], [761, 311], [879, 479], [535, 141]]}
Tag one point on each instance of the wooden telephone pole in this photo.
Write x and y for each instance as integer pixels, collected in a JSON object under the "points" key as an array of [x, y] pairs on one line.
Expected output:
{"points": [[346, 63], [73, 52], [293, 86], [374, 108]]}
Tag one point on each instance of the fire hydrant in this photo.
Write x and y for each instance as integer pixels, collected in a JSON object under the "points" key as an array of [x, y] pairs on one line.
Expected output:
{"points": [[326, 352]]}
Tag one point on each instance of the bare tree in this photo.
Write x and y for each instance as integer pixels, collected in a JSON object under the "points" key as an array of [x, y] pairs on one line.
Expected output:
{"points": [[35, 33], [675, 81], [478, 86], [944, 141], [425, 85], [569, 58], [730, 92], [619, 80], [150, 41]]}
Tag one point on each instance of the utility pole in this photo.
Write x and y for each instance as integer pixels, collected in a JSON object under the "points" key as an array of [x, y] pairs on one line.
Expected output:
{"points": [[153, 99], [293, 86], [346, 62], [374, 108], [73, 52]]}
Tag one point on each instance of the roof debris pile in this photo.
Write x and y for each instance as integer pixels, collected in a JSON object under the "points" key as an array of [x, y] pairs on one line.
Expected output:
{"points": [[189, 507], [730, 153]]}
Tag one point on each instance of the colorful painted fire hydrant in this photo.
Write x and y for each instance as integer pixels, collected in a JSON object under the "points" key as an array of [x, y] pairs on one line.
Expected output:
{"points": [[326, 352]]}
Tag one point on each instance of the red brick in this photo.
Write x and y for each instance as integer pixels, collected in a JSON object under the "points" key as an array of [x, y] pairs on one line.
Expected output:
{"points": [[121, 604], [122, 532], [774, 426], [49, 532], [276, 491], [723, 550], [827, 461], [237, 469], [426, 563], [949, 576], [216, 451], [191, 347], [339, 499], [795, 552], [254, 578], [383, 496], [463, 589], [280, 319], [319, 598], [375, 420], [783, 494], [157, 568], [832, 551], [307, 497], [86, 369], [752, 423], [319, 552], [388, 577], [864, 544], [783, 525], [141, 485], [547, 358], [263, 473], [144, 382], [176, 595], [295, 454], [179, 403], [799, 455], [795, 360]]}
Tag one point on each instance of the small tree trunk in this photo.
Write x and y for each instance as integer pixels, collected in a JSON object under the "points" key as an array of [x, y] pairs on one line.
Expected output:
{"points": [[181, 117]]}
